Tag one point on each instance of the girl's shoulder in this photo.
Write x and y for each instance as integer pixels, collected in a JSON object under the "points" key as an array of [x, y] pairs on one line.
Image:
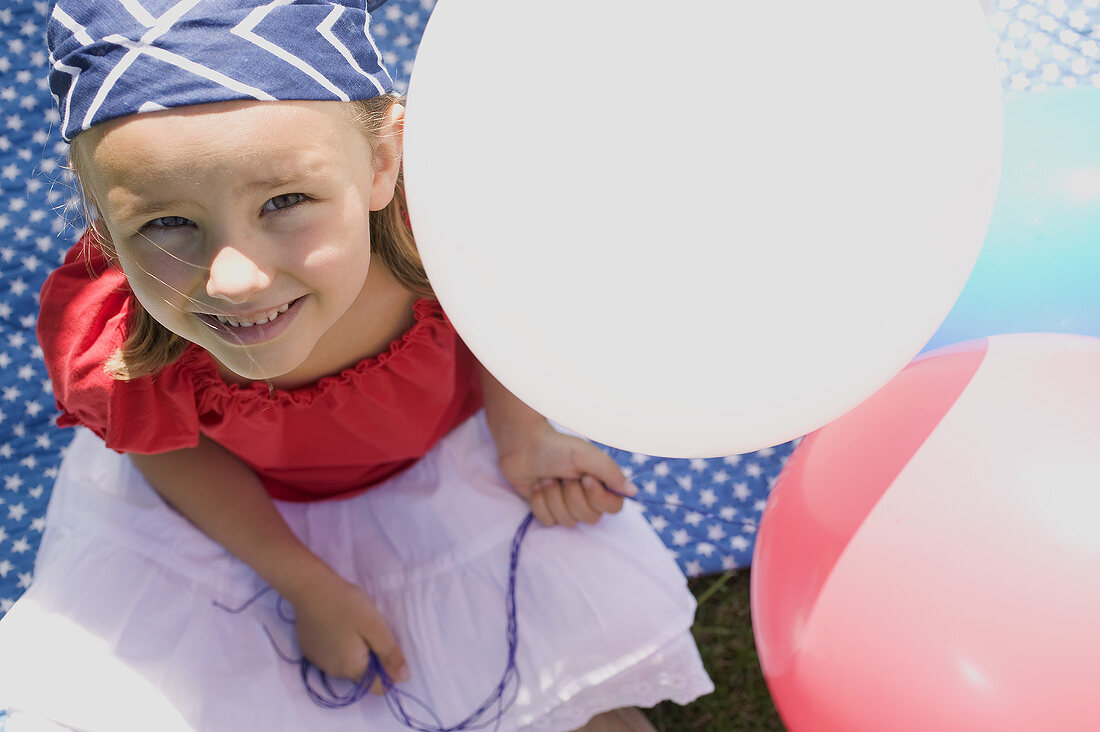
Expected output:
{"points": [[84, 307], [80, 302]]}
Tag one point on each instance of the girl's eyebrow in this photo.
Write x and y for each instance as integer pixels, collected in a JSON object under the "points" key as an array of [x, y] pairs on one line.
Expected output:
{"points": [[145, 208], [276, 182], [286, 179]]}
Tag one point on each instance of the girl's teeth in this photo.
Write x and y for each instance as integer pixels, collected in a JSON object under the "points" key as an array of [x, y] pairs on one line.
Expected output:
{"points": [[267, 318]]}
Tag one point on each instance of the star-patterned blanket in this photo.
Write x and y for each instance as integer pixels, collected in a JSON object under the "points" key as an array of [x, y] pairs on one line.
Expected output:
{"points": [[710, 507]]}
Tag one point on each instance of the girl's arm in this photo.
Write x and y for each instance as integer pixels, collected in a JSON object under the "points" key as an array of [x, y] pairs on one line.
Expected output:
{"points": [[337, 624], [509, 419], [562, 477]]}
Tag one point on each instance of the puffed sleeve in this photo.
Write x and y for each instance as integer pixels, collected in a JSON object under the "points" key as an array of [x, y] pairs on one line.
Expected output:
{"points": [[85, 305]]}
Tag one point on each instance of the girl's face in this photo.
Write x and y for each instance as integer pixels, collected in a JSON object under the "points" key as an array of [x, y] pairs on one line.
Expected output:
{"points": [[243, 226]]}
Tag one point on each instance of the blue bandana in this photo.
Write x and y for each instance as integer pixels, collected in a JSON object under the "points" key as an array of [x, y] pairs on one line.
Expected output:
{"points": [[110, 58]]}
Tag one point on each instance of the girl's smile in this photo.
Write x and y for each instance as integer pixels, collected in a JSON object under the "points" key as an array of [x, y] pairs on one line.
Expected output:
{"points": [[243, 227], [253, 328]]}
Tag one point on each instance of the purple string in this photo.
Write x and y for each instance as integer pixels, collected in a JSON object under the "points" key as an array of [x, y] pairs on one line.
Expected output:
{"points": [[328, 698], [395, 697], [246, 604]]}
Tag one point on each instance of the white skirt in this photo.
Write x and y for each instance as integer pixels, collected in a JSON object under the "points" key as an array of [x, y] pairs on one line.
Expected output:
{"points": [[125, 626]]}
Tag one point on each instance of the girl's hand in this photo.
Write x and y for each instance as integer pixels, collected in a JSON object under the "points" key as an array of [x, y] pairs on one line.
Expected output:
{"points": [[338, 626], [561, 477]]}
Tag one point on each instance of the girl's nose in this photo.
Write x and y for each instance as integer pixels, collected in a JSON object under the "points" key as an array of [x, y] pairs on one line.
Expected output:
{"points": [[235, 277]]}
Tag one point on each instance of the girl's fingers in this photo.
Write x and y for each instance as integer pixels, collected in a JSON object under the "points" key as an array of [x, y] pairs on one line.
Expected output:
{"points": [[378, 637], [590, 460], [538, 505], [599, 498], [577, 501], [350, 663], [555, 502]]}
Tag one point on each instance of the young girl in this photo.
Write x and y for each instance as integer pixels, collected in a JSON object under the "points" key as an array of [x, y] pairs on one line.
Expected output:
{"points": [[285, 450]]}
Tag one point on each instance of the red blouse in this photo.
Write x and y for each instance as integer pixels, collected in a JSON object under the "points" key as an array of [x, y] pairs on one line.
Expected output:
{"points": [[330, 439]]}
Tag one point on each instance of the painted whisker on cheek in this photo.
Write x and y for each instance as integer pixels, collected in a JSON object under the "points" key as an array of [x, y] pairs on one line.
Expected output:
{"points": [[171, 255], [167, 286], [252, 360]]}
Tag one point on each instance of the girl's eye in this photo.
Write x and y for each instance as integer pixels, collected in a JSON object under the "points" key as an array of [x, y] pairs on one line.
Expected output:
{"points": [[284, 201], [167, 222]]}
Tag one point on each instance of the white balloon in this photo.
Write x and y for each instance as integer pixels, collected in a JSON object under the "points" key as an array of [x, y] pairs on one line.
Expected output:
{"points": [[704, 227]]}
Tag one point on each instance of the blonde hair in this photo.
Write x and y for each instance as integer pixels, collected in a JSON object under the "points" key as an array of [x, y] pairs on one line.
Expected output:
{"points": [[148, 346]]}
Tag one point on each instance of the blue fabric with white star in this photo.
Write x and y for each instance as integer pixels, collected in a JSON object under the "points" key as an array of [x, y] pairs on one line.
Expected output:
{"points": [[716, 503], [112, 58]]}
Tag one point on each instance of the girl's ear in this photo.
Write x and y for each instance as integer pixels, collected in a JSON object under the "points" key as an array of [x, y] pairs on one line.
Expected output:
{"points": [[387, 158]]}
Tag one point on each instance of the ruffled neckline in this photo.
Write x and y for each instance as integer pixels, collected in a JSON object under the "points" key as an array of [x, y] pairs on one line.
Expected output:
{"points": [[429, 324]]}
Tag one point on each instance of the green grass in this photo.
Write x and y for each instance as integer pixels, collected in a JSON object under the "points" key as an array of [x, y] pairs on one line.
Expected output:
{"points": [[723, 632]]}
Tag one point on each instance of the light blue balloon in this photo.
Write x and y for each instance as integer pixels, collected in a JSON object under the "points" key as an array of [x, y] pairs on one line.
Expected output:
{"points": [[1039, 268]]}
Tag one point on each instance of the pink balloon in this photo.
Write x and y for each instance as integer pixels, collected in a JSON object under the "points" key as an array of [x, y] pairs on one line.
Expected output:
{"points": [[931, 560]]}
